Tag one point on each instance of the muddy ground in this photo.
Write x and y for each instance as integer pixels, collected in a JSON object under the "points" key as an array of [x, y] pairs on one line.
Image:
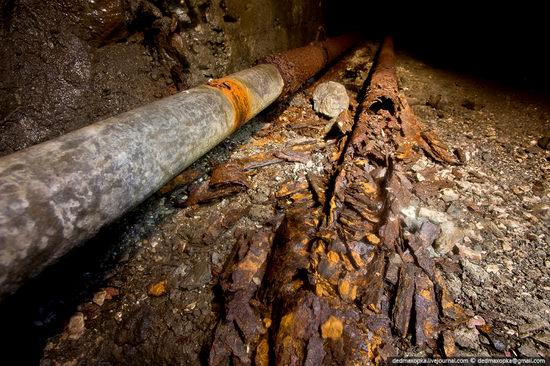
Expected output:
{"points": [[147, 289]]}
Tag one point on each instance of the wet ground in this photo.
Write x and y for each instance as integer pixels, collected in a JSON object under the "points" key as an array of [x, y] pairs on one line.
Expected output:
{"points": [[154, 288]]}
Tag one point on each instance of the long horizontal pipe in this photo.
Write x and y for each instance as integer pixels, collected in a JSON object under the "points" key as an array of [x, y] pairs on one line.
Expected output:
{"points": [[56, 195]]}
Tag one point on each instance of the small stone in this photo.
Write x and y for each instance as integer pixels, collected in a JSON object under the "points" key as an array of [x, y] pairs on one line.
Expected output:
{"points": [[180, 271], [467, 252], [260, 213], [467, 338], [373, 239], [332, 328], [434, 100], [216, 259], [99, 297], [330, 98], [476, 321], [476, 272], [198, 276], [76, 326], [434, 216], [111, 293], [420, 165], [157, 289], [457, 210], [454, 285], [506, 246], [392, 272], [326, 268], [496, 231], [449, 195], [499, 344], [450, 235], [492, 268], [155, 75], [409, 218], [528, 350], [338, 246]]}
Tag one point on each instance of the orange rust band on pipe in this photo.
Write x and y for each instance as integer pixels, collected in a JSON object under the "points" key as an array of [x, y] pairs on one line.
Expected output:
{"points": [[300, 64], [237, 93]]}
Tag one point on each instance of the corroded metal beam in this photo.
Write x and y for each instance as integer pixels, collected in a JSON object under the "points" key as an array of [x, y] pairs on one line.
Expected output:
{"points": [[56, 195]]}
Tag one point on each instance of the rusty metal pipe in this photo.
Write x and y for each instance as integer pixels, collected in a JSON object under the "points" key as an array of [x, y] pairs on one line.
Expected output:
{"points": [[300, 64], [383, 83], [55, 195]]}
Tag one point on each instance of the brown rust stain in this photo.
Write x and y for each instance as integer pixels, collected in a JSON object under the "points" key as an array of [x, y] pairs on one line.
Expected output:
{"points": [[297, 66], [238, 95], [332, 328]]}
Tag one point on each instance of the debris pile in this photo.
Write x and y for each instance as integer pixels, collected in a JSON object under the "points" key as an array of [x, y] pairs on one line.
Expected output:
{"points": [[341, 280]]}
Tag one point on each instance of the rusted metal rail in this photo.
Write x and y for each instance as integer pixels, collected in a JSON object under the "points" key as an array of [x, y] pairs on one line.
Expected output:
{"points": [[56, 195], [346, 281]]}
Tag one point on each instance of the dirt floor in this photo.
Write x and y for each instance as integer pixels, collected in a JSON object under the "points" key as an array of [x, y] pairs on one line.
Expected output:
{"points": [[499, 200], [156, 288]]}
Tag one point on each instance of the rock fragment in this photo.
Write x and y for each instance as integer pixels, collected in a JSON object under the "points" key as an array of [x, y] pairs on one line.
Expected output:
{"points": [[332, 328], [99, 297], [330, 99], [76, 326], [157, 289], [467, 338]]}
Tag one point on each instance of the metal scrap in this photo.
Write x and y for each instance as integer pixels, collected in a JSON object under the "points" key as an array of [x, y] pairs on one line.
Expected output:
{"points": [[243, 324], [426, 311], [404, 300], [229, 174], [324, 293]]}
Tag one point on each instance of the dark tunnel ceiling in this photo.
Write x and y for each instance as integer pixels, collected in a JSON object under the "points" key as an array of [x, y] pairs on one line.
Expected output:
{"points": [[505, 41]]}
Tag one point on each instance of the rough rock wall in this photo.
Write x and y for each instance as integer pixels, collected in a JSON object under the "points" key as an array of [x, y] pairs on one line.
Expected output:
{"points": [[67, 63]]}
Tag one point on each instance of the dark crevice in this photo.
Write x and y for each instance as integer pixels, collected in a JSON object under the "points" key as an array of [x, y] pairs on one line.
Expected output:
{"points": [[383, 103]]}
